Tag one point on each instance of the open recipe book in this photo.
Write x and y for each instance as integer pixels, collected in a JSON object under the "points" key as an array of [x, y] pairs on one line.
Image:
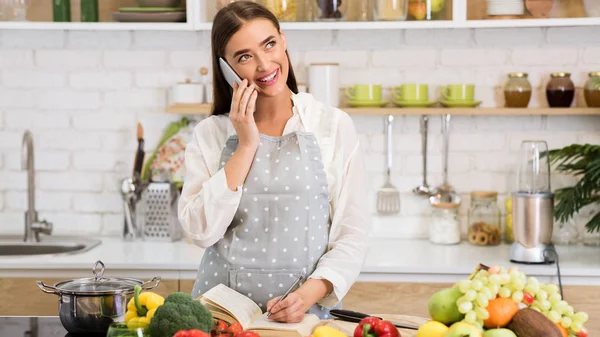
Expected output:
{"points": [[228, 305]]}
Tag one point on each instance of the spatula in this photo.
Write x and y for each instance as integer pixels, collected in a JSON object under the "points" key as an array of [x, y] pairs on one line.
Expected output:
{"points": [[388, 197]]}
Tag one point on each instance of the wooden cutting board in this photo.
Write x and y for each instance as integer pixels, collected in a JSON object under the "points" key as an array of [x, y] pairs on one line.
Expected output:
{"points": [[348, 327]]}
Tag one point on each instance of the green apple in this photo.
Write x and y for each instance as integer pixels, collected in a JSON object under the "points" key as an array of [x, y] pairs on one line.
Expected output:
{"points": [[499, 333], [443, 308], [462, 329]]}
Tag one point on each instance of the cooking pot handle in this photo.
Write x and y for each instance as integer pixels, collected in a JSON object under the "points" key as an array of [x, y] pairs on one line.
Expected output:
{"points": [[44, 286], [145, 285]]}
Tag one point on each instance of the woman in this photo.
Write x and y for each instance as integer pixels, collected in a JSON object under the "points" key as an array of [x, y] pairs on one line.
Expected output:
{"points": [[274, 186]]}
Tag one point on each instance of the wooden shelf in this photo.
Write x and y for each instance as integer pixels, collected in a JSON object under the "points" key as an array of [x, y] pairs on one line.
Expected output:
{"points": [[204, 109]]}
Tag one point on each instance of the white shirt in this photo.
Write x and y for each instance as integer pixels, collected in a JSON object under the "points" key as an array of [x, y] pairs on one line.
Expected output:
{"points": [[207, 205]]}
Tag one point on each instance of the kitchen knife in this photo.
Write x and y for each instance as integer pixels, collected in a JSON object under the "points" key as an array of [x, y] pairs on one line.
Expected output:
{"points": [[353, 316]]}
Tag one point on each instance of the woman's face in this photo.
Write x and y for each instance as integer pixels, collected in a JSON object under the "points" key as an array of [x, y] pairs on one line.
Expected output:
{"points": [[257, 53]]}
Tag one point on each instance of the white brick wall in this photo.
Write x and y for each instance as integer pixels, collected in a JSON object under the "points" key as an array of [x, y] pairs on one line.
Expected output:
{"points": [[82, 94]]}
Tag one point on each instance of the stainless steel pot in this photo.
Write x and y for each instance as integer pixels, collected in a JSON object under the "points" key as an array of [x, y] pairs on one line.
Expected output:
{"points": [[90, 305]]}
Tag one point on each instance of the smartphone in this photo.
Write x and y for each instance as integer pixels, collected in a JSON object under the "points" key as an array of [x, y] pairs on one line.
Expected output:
{"points": [[229, 74]]}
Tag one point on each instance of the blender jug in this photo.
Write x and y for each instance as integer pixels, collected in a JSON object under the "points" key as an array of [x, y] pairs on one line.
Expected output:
{"points": [[533, 205]]}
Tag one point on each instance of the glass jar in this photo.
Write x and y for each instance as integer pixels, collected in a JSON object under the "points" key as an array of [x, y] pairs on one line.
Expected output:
{"points": [[560, 90], [444, 226], [508, 236], [390, 10], [517, 91], [484, 219], [591, 90], [284, 10], [426, 9], [329, 10]]}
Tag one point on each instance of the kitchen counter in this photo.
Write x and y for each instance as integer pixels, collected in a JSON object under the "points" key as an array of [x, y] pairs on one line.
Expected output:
{"points": [[388, 260], [48, 326]]}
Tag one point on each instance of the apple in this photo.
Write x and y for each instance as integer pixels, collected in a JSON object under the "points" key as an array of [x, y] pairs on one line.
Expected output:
{"points": [[462, 329], [418, 10], [499, 333]]}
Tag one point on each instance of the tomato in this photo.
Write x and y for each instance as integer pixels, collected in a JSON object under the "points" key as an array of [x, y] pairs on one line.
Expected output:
{"points": [[246, 334], [527, 298], [220, 325], [235, 327], [582, 333], [191, 333]]}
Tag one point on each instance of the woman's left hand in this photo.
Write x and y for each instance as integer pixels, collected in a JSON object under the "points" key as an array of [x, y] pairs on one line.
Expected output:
{"points": [[290, 310]]}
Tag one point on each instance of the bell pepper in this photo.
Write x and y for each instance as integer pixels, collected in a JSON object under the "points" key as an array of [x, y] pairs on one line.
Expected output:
{"points": [[246, 334], [235, 327], [375, 327], [327, 331], [191, 333], [141, 308]]}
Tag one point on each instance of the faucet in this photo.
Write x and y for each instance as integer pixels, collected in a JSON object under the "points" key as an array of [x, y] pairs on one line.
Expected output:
{"points": [[33, 226]]}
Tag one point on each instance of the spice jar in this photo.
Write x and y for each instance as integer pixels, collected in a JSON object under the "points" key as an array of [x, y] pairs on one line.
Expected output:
{"points": [[484, 219], [390, 10], [560, 90], [444, 227], [330, 10], [591, 90], [284, 10], [517, 91]]}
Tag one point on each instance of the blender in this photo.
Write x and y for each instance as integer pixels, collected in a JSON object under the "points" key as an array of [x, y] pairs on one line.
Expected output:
{"points": [[533, 207]]}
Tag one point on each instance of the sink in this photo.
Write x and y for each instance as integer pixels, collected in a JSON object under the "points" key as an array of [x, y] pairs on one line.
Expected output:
{"points": [[48, 245]]}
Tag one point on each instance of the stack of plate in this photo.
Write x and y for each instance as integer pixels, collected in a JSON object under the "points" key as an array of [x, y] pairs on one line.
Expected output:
{"points": [[150, 14], [505, 7]]}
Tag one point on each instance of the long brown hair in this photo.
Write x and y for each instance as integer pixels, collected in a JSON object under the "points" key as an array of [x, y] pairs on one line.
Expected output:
{"points": [[226, 23]]}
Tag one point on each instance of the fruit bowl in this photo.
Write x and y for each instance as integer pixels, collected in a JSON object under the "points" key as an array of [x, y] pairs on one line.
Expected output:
{"points": [[499, 302]]}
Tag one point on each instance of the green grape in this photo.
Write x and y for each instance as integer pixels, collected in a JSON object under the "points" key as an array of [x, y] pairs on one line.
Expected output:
{"points": [[560, 306], [517, 296], [566, 322], [533, 280], [471, 295], [482, 300], [482, 273], [484, 280], [518, 284], [554, 298], [552, 289], [471, 317], [545, 305], [476, 285], [536, 309], [504, 279], [464, 285], [482, 313], [532, 288], [496, 288], [576, 326], [504, 292], [465, 307], [514, 275], [495, 279], [462, 300], [487, 292], [542, 295], [554, 316], [569, 311], [581, 317]]}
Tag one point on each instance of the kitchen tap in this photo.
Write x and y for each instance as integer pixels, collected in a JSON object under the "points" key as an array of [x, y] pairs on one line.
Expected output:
{"points": [[33, 226]]}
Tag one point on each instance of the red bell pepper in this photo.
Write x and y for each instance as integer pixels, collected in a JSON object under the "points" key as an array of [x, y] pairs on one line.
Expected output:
{"points": [[246, 334], [375, 327], [191, 333]]}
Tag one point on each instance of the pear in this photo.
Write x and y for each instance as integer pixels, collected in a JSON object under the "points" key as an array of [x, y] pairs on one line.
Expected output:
{"points": [[462, 329], [443, 308]]}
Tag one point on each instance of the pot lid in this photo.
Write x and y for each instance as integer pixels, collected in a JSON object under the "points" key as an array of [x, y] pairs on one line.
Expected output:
{"points": [[98, 284]]}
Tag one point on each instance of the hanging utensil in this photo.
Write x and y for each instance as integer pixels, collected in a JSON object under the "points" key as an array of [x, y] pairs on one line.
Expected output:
{"points": [[423, 189], [388, 197], [444, 193]]}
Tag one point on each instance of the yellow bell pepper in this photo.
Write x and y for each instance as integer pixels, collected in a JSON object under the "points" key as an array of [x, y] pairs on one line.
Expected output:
{"points": [[141, 308], [326, 331]]}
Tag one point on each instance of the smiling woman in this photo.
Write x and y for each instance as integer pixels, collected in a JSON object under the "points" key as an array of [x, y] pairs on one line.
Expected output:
{"points": [[275, 186]]}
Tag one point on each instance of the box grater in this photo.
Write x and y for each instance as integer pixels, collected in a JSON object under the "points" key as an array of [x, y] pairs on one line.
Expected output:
{"points": [[156, 213]]}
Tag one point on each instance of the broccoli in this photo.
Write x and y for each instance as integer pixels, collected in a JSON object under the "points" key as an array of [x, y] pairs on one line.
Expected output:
{"points": [[180, 312]]}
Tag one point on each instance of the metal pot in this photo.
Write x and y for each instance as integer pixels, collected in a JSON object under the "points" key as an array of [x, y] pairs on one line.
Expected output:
{"points": [[90, 305]]}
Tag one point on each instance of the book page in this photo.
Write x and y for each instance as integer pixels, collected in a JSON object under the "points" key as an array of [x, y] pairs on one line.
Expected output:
{"points": [[243, 309], [304, 328]]}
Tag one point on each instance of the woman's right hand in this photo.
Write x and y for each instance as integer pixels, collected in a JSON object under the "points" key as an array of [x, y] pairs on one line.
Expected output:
{"points": [[243, 104]]}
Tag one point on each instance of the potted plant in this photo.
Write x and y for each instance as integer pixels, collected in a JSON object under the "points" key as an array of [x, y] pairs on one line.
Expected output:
{"points": [[582, 161]]}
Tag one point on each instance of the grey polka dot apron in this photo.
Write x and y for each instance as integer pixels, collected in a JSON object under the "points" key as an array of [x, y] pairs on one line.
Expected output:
{"points": [[281, 227]]}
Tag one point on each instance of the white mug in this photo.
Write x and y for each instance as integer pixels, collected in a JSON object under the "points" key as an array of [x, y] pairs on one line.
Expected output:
{"points": [[187, 93], [324, 83]]}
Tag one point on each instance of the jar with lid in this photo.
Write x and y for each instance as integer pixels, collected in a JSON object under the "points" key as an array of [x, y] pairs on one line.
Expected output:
{"points": [[426, 10], [329, 10], [560, 90], [484, 219], [591, 90], [444, 226], [390, 10], [284, 10], [517, 91]]}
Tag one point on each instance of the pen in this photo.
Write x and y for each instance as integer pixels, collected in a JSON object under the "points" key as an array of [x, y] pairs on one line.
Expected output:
{"points": [[286, 294]]}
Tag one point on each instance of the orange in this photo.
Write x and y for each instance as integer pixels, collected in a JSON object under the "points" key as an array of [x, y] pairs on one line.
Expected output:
{"points": [[501, 310], [562, 329]]}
